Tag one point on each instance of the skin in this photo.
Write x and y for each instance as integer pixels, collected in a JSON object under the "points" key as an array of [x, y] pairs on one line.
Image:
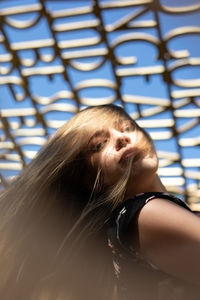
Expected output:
{"points": [[169, 236]]}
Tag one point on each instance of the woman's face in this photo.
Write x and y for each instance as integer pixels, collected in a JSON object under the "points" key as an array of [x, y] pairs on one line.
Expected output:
{"points": [[118, 144]]}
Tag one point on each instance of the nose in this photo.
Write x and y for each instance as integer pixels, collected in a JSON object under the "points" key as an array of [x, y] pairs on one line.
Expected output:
{"points": [[121, 140]]}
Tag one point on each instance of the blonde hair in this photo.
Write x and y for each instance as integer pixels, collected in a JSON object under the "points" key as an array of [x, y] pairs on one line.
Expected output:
{"points": [[53, 220]]}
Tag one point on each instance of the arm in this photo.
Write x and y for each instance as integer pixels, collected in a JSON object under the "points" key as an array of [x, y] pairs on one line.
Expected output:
{"points": [[169, 237]]}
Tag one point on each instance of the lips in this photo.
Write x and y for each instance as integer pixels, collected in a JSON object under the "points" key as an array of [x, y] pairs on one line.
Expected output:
{"points": [[126, 154]]}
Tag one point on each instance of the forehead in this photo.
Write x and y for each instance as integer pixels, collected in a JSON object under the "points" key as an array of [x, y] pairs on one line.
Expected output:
{"points": [[113, 122]]}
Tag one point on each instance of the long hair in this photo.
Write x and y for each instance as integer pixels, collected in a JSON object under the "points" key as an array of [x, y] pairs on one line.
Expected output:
{"points": [[53, 219]]}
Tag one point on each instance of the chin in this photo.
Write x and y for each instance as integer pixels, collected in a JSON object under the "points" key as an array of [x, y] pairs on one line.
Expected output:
{"points": [[147, 166], [150, 163]]}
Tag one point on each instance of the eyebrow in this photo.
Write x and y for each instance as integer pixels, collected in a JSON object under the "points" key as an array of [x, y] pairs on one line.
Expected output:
{"points": [[120, 121]]}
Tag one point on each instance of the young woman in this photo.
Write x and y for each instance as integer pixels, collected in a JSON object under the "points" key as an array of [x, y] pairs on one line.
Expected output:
{"points": [[91, 204]]}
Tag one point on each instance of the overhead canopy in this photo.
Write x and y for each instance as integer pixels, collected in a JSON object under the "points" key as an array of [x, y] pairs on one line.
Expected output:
{"points": [[57, 57]]}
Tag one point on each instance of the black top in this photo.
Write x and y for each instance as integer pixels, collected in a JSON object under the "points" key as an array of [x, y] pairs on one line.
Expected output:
{"points": [[137, 278]]}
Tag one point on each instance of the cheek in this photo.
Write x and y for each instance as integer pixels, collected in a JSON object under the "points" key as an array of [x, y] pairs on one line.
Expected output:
{"points": [[146, 166], [107, 160], [109, 167]]}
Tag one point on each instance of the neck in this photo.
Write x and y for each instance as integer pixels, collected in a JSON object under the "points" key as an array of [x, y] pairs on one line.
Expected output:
{"points": [[153, 185], [156, 185]]}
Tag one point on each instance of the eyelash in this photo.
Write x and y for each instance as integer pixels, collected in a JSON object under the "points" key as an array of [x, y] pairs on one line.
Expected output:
{"points": [[98, 147], [126, 129]]}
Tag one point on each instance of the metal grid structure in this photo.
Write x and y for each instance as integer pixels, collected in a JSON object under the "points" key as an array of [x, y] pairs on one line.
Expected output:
{"points": [[24, 128]]}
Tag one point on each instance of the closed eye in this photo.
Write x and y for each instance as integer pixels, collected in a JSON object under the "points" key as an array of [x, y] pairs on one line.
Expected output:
{"points": [[98, 140], [98, 146], [127, 129], [127, 126]]}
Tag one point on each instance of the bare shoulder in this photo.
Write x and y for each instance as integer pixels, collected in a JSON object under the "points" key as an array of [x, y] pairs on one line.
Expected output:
{"points": [[169, 237], [159, 214]]}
